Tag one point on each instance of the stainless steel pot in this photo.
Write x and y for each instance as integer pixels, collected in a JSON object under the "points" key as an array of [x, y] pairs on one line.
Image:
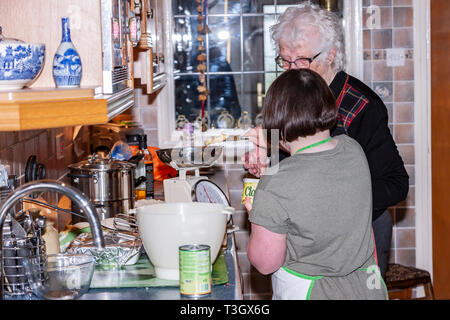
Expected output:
{"points": [[108, 183]]}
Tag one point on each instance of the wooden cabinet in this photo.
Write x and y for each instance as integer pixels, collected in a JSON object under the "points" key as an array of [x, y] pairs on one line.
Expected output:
{"points": [[149, 63], [39, 21]]}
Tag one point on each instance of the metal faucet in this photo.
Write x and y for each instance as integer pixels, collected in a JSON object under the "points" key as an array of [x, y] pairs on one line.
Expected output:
{"points": [[50, 185]]}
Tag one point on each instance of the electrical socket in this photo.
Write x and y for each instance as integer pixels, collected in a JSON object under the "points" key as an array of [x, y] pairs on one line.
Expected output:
{"points": [[59, 146]]}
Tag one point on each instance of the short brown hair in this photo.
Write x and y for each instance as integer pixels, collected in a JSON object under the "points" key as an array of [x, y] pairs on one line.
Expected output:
{"points": [[299, 103]]}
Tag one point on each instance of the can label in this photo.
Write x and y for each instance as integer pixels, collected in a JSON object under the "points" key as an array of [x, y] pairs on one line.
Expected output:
{"points": [[249, 189], [195, 270]]}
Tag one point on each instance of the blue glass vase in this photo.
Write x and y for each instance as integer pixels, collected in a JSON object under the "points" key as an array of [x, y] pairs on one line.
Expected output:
{"points": [[67, 68]]}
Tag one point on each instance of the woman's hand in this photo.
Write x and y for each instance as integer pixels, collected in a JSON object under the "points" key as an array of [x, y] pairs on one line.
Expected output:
{"points": [[256, 160]]}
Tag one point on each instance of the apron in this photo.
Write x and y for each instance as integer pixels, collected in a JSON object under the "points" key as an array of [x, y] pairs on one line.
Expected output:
{"points": [[290, 285], [362, 284]]}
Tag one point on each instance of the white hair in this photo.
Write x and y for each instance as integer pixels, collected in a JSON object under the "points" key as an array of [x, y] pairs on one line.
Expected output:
{"points": [[297, 24]]}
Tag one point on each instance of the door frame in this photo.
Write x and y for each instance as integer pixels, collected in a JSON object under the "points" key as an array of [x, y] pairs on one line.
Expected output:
{"points": [[422, 133]]}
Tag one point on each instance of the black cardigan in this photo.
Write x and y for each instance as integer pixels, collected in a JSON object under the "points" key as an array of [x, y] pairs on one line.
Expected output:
{"points": [[363, 116]]}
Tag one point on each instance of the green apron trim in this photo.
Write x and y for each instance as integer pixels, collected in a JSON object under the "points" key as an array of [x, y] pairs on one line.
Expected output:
{"points": [[313, 279]]}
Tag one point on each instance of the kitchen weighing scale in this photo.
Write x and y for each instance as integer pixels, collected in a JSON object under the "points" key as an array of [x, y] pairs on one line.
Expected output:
{"points": [[192, 188]]}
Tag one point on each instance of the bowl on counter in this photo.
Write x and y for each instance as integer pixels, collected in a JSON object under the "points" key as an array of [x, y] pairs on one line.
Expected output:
{"points": [[61, 276], [20, 63], [167, 226]]}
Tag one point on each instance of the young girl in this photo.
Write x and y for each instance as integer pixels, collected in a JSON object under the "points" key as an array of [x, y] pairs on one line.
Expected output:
{"points": [[312, 219]]}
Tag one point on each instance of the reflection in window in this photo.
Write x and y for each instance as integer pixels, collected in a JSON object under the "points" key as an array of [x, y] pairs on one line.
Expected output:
{"points": [[240, 59]]}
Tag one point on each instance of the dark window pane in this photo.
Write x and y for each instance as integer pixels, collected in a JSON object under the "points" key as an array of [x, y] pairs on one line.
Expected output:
{"points": [[186, 97], [252, 97], [224, 96], [259, 50], [224, 43], [185, 44]]}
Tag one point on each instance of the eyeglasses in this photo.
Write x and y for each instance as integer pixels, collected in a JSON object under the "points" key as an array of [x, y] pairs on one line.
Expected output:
{"points": [[299, 63]]}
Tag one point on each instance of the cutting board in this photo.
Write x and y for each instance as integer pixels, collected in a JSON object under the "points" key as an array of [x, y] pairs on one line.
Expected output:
{"points": [[142, 274]]}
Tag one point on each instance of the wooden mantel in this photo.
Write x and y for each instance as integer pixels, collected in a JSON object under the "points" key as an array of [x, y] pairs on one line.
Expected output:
{"points": [[39, 108]]}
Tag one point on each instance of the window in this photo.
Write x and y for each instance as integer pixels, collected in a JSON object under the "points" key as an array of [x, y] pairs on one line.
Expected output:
{"points": [[240, 59]]}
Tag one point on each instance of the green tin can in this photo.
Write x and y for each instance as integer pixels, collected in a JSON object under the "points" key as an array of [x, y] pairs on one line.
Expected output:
{"points": [[195, 270]]}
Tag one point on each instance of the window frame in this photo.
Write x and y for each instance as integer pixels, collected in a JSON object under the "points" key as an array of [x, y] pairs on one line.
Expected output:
{"points": [[168, 137]]}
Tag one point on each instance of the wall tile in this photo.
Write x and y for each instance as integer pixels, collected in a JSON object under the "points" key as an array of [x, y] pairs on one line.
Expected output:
{"points": [[367, 40], [367, 71], [404, 133], [381, 2], [405, 238], [382, 39], [242, 238], [244, 264], [405, 217], [402, 2], [404, 112], [386, 17], [406, 257], [403, 91], [403, 17], [405, 72], [403, 38], [384, 90], [240, 219], [235, 179], [407, 153], [381, 72]]}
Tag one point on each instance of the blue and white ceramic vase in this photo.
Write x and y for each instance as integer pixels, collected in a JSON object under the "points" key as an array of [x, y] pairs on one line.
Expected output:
{"points": [[67, 69]]}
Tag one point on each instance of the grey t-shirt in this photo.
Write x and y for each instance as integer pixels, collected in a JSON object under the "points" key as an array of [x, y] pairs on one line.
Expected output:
{"points": [[323, 202]]}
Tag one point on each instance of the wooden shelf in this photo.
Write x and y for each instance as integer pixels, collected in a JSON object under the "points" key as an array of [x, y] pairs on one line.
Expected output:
{"points": [[40, 108]]}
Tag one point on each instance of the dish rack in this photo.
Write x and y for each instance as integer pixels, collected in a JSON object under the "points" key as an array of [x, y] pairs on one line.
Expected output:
{"points": [[16, 249]]}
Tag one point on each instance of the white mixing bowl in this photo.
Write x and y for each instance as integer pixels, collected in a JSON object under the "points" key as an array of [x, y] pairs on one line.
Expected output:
{"points": [[167, 226]]}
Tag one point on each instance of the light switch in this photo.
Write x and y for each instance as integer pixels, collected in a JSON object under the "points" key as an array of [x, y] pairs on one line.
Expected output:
{"points": [[395, 57]]}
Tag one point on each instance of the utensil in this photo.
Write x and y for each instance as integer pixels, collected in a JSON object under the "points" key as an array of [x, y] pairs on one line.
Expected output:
{"points": [[20, 63], [108, 183], [66, 276], [186, 188]]}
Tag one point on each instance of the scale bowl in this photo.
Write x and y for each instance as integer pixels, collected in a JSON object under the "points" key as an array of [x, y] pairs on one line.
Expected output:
{"points": [[190, 157]]}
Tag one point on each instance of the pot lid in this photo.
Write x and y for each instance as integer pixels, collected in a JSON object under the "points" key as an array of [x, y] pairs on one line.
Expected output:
{"points": [[95, 163]]}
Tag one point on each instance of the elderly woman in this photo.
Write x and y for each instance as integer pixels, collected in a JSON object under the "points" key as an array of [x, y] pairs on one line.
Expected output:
{"points": [[310, 37], [311, 220]]}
